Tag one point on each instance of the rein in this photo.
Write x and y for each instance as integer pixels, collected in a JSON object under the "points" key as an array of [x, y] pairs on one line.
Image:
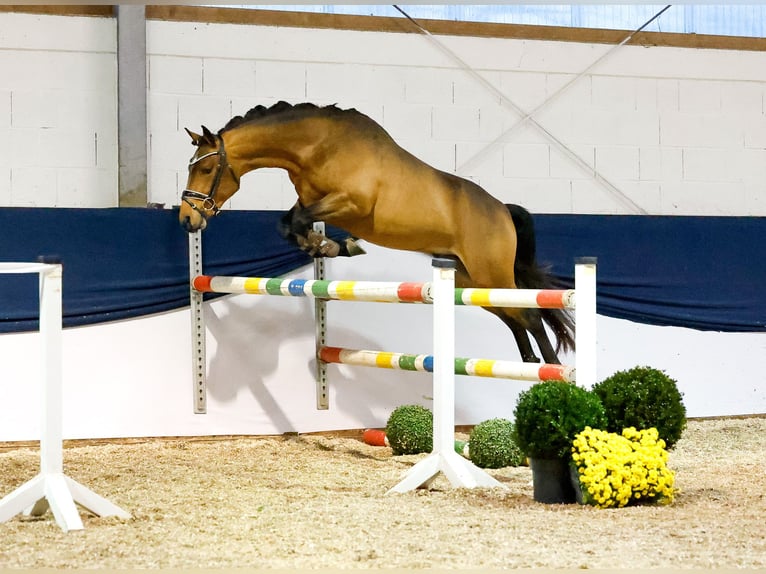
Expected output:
{"points": [[208, 200]]}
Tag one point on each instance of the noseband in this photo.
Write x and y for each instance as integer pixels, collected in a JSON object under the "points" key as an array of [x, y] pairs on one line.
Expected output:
{"points": [[208, 205]]}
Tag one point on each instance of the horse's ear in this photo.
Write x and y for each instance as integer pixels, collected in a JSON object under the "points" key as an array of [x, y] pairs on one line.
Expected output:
{"points": [[208, 136], [195, 137]]}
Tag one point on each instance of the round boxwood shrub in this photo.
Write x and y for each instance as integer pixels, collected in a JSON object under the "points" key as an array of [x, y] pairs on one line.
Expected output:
{"points": [[491, 445], [643, 397], [410, 430], [548, 415]]}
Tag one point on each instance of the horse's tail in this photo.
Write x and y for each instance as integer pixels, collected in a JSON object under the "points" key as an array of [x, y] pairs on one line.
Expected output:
{"points": [[529, 275]]}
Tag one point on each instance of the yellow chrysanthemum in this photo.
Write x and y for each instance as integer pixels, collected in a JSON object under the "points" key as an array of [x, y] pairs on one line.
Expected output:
{"points": [[615, 469]]}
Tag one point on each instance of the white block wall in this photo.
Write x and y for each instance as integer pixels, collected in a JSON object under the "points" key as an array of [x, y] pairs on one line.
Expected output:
{"points": [[676, 130], [58, 111]]}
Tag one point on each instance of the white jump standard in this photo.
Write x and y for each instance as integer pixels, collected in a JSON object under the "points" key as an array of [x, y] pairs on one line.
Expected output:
{"points": [[52, 489], [443, 458]]}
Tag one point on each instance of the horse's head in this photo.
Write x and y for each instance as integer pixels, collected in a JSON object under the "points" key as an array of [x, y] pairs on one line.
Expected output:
{"points": [[211, 181]]}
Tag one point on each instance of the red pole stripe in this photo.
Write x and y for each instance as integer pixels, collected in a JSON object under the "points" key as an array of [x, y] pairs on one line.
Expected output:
{"points": [[551, 298], [410, 292], [374, 437], [330, 354], [202, 283], [551, 373]]}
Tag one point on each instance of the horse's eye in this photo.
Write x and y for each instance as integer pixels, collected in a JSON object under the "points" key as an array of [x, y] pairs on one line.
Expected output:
{"points": [[206, 170]]}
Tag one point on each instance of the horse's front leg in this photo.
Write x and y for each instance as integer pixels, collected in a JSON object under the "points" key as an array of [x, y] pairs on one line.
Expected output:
{"points": [[285, 225], [297, 226]]}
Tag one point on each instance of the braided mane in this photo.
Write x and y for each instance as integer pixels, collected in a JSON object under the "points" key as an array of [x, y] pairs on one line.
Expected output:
{"points": [[280, 110]]}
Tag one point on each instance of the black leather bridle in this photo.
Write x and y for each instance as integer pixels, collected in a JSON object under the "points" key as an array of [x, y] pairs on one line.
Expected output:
{"points": [[208, 205]]}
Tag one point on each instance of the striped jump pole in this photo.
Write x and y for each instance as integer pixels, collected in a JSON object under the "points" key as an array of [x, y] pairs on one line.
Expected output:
{"points": [[384, 292], [421, 292], [472, 367], [323, 290], [374, 291]]}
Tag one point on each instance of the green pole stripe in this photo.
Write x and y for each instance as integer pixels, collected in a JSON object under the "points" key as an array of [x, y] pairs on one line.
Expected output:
{"points": [[460, 366], [320, 288], [407, 362], [274, 286]]}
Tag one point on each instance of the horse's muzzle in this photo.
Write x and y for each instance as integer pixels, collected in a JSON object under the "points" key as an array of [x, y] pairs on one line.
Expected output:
{"points": [[191, 227]]}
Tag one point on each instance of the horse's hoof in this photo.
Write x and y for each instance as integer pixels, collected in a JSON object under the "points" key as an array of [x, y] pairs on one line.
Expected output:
{"points": [[317, 245], [353, 248], [328, 248]]}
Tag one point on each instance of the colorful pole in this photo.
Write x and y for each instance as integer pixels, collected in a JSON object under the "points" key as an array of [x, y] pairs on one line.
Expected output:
{"points": [[384, 292], [375, 291], [375, 437], [462, 366], [522, 298]]}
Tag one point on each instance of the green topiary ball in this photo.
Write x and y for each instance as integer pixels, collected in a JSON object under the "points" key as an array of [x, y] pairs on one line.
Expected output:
{"points": [[491, 445], [410, 430], [643, 397], [548, 415]]}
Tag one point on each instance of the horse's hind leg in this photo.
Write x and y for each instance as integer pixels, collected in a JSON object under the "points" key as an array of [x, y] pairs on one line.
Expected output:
{"points": [[497, 273], [533, 323], [522, 339], [462, 279], [536, 327]]}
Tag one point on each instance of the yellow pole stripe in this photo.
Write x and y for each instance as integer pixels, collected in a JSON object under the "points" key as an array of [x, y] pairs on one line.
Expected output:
{"points": [[383, 360], [344, 290], [480, 297], [253, 284], [483, 367]]}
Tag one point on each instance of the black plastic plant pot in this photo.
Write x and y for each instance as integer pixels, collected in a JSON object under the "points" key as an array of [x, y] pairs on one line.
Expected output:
{"points": [[552, 481]]}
